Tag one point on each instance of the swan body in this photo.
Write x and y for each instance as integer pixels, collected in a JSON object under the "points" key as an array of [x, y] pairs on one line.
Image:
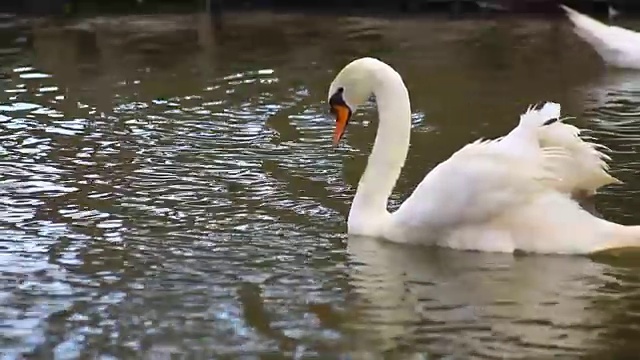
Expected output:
{"points": [[513, 193], [617, 46]]}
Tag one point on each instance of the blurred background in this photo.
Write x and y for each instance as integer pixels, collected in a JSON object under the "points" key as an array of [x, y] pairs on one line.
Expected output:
{"points": [[168, 187], [71, 7]]}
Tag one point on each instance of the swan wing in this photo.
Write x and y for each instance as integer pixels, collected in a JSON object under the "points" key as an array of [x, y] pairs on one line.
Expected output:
{"points": [[580, 167], [478, 182], [580, 171], [584, 167], [485, 177], [483, 198]]}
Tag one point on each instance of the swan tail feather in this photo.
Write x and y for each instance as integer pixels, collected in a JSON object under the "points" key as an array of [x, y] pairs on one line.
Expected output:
{"points": [[582, 165], [548, 114]]}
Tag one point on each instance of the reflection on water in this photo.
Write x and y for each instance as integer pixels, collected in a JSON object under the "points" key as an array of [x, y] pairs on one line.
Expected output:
{"points": [[167, 187], [489, 305]]}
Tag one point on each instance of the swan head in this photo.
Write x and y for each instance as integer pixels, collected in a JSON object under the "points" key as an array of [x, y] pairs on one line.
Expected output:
{"points": [[351, 88]]}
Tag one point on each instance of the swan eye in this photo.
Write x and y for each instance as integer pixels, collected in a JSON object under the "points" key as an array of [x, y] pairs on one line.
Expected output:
{"points": [[337, 99]]}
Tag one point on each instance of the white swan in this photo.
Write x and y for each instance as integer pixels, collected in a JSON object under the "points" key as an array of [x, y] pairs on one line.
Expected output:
{"points": [[617, 46], [503, 195]]}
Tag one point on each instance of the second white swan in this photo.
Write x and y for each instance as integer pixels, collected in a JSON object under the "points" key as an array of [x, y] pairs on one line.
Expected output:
{"points": [[617, 46], [512, 193]]}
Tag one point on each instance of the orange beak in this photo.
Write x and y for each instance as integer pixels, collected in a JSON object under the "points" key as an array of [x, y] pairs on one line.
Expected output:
{"points": [[343, 114]]}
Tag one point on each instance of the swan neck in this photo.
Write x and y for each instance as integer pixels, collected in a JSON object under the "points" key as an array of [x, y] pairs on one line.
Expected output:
{"points": [[389, 151]]}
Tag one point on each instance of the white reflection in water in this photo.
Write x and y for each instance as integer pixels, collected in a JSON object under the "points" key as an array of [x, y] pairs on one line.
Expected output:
{"points": [[467, 302]]}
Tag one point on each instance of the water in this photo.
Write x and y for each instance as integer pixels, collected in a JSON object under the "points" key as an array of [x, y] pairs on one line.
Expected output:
{"points": [[167, 189]]}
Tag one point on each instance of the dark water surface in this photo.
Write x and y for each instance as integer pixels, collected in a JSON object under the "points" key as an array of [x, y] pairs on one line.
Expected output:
{"points": [[167, 188]]}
